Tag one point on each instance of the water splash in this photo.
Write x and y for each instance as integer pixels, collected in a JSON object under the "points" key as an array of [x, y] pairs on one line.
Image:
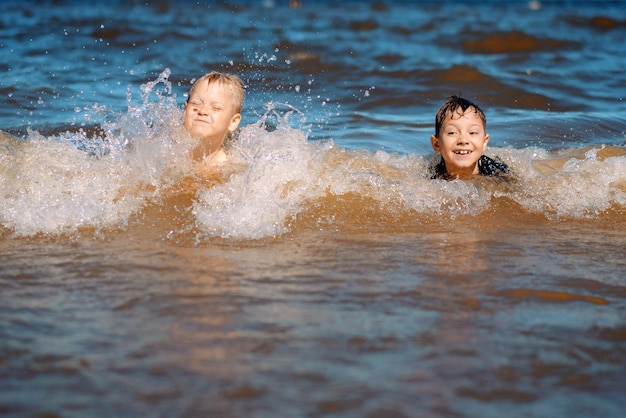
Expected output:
{"points": [[288, 178], [74, 180], [278, 180]]}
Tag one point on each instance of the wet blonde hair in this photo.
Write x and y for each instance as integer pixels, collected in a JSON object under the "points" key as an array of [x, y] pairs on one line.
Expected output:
{"points": [[230, 81]]}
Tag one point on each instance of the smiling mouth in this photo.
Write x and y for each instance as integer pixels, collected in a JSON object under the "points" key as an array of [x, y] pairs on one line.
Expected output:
{"points": [[462, 152]]}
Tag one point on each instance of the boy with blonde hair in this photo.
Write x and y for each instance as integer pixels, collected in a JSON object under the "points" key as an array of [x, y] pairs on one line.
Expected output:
{"points": [[212, 113]]}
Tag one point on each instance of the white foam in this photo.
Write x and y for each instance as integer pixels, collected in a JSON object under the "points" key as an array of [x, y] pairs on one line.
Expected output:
{"points": [[578, 187], [51, 187], [61, 183], [281, 175], [286, 175]]}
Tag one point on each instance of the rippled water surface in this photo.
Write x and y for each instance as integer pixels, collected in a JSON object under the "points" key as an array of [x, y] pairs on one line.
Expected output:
{"points": [[323, 273]]}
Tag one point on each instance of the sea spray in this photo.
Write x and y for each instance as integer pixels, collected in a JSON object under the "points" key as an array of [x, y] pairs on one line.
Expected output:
{"points": [[580, 186], [101, 178], [282, 169], [288, 177], [75, 180], [52, 187]]}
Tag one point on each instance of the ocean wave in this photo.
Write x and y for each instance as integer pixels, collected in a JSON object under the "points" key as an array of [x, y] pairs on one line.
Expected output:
{"points": [[131, 168], [280, 181]]}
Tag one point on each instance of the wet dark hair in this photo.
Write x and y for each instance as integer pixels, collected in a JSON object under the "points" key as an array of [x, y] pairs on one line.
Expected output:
{"points": [[451, 106]]}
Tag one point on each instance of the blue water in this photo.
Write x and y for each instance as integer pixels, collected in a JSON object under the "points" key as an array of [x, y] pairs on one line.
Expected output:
{"points": [[366, 75], [324, 274]]}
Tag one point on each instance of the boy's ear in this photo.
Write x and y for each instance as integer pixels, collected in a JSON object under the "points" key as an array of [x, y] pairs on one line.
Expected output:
{"points": [[434, 141], [485, 143], [234, 122]]}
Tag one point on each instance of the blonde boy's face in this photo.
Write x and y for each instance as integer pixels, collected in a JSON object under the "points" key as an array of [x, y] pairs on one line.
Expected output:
{"points": [[210, 114], [462, 141]]}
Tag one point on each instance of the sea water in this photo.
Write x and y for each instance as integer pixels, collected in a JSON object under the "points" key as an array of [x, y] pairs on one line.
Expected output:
{"points": [[322, 272]]}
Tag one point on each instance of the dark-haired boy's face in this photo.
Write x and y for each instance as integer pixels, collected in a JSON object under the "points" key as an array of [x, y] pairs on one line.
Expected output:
{"points": [[461, 142]]}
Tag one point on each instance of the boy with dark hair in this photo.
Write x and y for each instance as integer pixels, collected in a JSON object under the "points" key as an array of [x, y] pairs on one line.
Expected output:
{"points": [[460, 137]]}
